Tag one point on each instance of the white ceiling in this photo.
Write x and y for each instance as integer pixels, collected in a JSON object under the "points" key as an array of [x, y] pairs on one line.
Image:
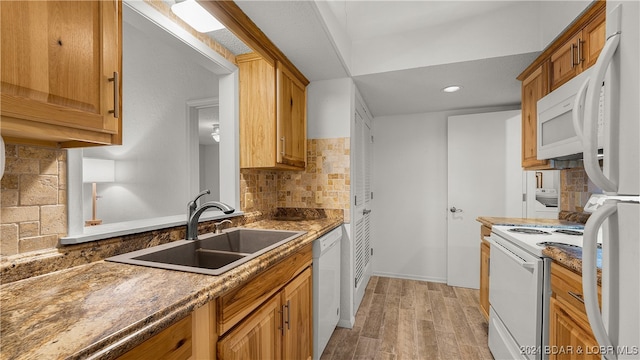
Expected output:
{"points": [[322, 37]]}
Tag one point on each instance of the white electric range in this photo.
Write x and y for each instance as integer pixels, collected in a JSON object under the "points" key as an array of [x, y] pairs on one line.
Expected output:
{"points": [[520, 287]]}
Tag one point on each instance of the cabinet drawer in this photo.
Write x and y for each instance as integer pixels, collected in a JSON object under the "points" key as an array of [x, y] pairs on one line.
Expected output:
{"points": [[566, 286], [237, 304], [174, 342]]}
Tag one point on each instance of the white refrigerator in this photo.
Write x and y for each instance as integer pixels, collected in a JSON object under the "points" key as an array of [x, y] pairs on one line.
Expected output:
{"points": [[617, 326]]}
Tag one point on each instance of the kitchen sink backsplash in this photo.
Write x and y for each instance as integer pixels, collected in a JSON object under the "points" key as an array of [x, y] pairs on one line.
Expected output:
{"points": [[34, 199], [324, 184]]}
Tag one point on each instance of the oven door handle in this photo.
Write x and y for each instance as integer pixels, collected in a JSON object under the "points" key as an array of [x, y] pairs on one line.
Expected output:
{"points": [[515, 257]]}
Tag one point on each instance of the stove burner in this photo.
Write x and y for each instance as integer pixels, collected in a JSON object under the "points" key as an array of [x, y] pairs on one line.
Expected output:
{"points": [[529, 231], [569, 232], [552, 243]]}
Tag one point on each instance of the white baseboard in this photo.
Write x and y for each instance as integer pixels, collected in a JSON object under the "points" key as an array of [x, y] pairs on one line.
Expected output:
{"points": [[410, 277]]}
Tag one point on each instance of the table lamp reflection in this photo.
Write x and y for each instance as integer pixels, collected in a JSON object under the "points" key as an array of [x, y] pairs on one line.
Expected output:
{"points": [[97, 171]]}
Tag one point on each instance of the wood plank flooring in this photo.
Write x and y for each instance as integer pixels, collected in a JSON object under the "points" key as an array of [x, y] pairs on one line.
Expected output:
{"points": [[410, 319]]}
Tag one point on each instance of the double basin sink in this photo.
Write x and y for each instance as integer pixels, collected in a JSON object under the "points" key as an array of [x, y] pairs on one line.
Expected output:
{"points": [[211, 254]]}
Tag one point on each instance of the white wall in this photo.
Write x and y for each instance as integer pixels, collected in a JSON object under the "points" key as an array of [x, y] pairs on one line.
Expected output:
{"points": [[513, 169], [410, 187], [210, 171], [329, 104], [151, 165]]}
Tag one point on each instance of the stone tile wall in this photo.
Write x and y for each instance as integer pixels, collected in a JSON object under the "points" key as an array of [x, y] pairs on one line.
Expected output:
{"points": [[324, 184], [575, 189], [33, 212]]}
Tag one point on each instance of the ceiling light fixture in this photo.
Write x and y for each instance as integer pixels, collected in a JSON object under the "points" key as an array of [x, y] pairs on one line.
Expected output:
{"points": [[196, 16], [216, 132], [452, 88]]}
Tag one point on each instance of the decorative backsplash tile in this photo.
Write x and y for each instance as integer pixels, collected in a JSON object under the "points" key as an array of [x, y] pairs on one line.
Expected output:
{"points": [[575, 189], [324, 184], [33, 211]]}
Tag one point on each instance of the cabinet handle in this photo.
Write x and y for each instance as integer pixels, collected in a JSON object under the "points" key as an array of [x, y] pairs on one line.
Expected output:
{"points": [[283, 143], [282, 321], [573, 56], [576, 296], [580, 58], [288, 322], [116, 97]]}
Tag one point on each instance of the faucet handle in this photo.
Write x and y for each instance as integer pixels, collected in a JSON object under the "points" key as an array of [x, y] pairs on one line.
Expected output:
{"points": [[217, 226]]}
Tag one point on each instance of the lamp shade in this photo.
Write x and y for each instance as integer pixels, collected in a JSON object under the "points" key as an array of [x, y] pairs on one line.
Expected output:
{"points": [[98, 170]]}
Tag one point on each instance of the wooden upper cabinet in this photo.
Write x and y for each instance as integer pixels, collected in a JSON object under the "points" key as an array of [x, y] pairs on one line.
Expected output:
{"points": [[534, 87], [58, 64], [579, 52], [565, 64], [273, 122], [594, 35], [292, 119]]}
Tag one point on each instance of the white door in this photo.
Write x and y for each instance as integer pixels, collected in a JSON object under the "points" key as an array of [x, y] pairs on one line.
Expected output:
{"points": [[478, 178]]}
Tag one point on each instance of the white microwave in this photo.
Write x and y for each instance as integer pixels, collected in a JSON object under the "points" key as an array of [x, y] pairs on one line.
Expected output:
{"points": [[559, 121]]}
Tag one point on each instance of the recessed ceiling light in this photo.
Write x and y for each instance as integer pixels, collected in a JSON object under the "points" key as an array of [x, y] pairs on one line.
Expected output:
{"points": [[452, 88], [196, 16]]}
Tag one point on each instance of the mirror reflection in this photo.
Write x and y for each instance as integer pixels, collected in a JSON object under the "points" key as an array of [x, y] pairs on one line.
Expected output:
{"points": [[170, 102]]}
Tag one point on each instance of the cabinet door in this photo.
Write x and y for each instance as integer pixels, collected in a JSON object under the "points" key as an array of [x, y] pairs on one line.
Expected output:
{"points": [[257, 337], [257, 111], [173, 343], [534, 87], [57, 59], [594, 37], [568, 338], [565, 62], [292, 119], [484, 278], [297, 312]]}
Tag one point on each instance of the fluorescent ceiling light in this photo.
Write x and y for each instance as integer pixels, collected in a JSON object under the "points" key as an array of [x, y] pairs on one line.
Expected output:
{"points": [[196, 16], [452, 88]]}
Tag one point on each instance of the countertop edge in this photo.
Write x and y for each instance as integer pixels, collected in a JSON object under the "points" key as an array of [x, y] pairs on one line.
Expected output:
{"points": [[128, 337]]}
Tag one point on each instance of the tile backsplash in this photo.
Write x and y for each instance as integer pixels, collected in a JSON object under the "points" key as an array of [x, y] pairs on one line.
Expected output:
{"points": [[575, 189], [324, 184], [33, 210]]}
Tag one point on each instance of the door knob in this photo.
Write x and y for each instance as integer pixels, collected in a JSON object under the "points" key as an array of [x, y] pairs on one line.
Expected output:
{"points": [[454, 210]]}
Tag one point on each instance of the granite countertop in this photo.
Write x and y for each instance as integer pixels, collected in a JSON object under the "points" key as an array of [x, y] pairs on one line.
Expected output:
{"points": [[490, 221], [103, 309]]}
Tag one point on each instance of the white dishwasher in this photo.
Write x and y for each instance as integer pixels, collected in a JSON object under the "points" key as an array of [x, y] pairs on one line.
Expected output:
{"points": [[326, 288]]}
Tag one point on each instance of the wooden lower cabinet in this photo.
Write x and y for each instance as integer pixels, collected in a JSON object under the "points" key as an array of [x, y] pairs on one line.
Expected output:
{"points": [[298, 312], [570, 335], [279, 329], [257, 337], [173, 343], [484, 277]]}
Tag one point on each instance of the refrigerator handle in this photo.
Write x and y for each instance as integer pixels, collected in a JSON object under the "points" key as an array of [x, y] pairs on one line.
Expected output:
{"points": [[590, 278], [577, 113], [590, 136]]}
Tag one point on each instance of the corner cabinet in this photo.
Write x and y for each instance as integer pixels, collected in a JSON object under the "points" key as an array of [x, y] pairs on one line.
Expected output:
{"points": [[273, 115], [568, 326], [60, 76]]}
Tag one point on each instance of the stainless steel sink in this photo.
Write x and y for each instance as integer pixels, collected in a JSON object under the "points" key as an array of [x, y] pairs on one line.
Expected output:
{"points": [[211, 254]]}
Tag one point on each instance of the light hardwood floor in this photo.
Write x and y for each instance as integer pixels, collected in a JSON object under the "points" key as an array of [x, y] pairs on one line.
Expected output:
{"points": [[409, 319]]}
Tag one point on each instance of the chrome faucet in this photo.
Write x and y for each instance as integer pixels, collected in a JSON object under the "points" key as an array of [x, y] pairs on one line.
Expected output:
{"points": [[195, 212]]}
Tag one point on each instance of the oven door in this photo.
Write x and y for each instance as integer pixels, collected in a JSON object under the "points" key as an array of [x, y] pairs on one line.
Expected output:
{"points": [[516, 291]]}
